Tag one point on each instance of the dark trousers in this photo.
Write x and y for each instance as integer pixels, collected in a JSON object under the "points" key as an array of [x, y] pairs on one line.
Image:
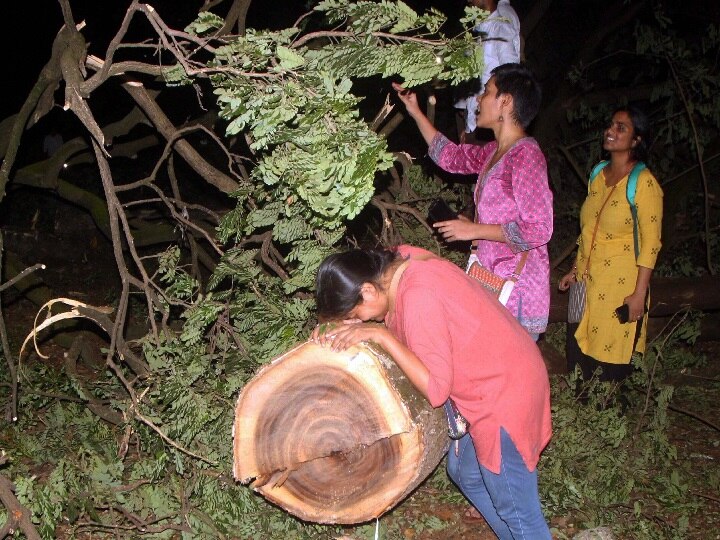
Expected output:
{"points": [[588, 365]]}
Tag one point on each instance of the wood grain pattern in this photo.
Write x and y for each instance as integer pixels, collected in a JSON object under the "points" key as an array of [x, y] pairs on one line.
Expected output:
{"points": [[335, 437]]}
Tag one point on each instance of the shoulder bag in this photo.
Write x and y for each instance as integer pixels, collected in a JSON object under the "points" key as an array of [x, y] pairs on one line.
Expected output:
{"points": [[500, 287], [578, 290]]}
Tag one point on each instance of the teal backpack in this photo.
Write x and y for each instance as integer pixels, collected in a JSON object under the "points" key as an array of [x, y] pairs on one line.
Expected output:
{"points": [[629, 193]]}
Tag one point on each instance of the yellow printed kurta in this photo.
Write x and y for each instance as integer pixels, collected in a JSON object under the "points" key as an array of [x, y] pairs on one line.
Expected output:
{"points": [[613, 268]]}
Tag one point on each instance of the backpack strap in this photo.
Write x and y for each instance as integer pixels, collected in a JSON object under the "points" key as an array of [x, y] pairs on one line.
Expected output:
{"points": [[596, 170], [630, 194], [630, 190]]}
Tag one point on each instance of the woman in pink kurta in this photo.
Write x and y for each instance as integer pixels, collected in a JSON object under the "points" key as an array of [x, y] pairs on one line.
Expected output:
{"points": [[452, 339], [513, 201], [513, 193]]}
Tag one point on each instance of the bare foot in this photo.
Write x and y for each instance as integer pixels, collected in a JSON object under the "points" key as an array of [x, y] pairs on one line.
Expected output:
{"points": [[471, 515]]}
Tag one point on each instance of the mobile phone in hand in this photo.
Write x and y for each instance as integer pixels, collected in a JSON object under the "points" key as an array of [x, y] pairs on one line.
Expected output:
{"points": [[440, 211], [623, 313]]}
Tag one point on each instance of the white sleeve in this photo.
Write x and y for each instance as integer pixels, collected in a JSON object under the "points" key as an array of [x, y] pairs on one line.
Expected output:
{"points": [[471, 110], [502, 39], [492, 55]]}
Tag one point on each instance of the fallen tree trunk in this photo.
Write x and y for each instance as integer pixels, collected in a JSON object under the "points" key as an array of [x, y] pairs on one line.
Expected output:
{"points": [[667, 296], [335, 437], [709, 326]]}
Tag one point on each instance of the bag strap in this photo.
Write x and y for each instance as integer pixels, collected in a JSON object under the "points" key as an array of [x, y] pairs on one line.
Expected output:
{"points": [[519, 267], [630, 194], [394, 282], [596, 170], [597, 223], [630, 190]]}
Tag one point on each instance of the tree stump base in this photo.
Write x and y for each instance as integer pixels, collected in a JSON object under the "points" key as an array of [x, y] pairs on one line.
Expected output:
{"points": [[335, 437]]}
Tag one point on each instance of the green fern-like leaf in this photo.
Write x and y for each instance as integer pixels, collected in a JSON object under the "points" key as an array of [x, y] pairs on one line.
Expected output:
{"points": [[206, 22]]}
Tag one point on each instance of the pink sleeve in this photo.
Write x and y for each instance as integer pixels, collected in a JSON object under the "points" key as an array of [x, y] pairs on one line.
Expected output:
{"points": [[457, 158], [534, 224]]}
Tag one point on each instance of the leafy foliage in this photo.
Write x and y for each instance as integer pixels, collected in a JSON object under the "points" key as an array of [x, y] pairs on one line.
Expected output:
{"points": [[315, 164], [610, 460], [679, 81]]}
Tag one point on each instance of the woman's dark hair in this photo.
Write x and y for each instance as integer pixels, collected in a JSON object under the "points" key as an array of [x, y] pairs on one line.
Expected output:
{"points": [[519, 82], [341, 276], [642, 131]]}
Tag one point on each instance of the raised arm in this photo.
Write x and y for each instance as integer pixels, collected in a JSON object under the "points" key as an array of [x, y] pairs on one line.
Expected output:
{"points": [[409, 98]]}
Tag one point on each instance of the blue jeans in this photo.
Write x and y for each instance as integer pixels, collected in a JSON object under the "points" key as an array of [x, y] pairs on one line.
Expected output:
{"points": [[508, 501]]}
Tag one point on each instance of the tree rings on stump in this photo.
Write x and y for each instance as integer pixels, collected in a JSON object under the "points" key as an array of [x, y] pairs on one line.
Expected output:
{"points": [[335, 437]]}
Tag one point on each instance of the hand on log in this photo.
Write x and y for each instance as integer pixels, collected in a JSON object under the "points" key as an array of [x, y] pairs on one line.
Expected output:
{"points": [[335, 437]]}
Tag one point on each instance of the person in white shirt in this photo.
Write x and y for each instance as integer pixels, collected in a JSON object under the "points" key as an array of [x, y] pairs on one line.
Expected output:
{"points": [[500, 36]]}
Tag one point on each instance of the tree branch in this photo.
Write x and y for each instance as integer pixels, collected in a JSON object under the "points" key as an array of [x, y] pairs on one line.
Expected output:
{"points": [[7, 352], [212, 175], [699, 154], [345, 34], [19, 517]]}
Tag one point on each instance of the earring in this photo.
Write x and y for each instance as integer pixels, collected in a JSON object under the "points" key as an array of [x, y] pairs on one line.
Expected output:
{"points": [[500, 118]]}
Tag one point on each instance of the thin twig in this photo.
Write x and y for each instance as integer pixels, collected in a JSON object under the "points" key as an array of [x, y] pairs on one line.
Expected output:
{"points": [[346, 34], [699, 153], [6, 348], [648, 393], [705, 496], [696, 416], [21, 275], [18, 517]]}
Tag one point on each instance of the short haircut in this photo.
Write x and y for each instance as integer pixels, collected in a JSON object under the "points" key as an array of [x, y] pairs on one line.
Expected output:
{"points": [[519, 82]]}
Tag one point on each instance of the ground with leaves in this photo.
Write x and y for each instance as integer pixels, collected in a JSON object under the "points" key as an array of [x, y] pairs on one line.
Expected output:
{"points": [[81, 265]]}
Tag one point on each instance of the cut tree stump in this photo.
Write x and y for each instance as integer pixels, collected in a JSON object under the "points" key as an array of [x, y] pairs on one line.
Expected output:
{"points": [[335, 437]]}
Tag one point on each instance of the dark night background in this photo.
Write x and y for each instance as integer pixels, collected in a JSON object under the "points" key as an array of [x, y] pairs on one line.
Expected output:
{"points": [[30, 27], [559, 35]]}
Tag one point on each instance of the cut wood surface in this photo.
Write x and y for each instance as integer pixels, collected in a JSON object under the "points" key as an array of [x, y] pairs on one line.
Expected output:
{"points": [[335, 437]]}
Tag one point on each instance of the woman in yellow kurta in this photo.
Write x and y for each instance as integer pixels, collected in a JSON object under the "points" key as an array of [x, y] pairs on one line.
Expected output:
{"points": [[615, 275]]}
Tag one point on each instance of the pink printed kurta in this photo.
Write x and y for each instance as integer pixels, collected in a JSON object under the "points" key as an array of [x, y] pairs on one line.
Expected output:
{"points": [[476, 353], [514, 194]]}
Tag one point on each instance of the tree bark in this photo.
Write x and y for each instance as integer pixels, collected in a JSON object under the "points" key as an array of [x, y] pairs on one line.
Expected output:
{"points": [[212, 175], [18, 517], [335, 437]]}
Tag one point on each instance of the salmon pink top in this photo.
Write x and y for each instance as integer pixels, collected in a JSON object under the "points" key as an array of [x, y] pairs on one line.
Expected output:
{"points": [[514, 194], [476, 353]]}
